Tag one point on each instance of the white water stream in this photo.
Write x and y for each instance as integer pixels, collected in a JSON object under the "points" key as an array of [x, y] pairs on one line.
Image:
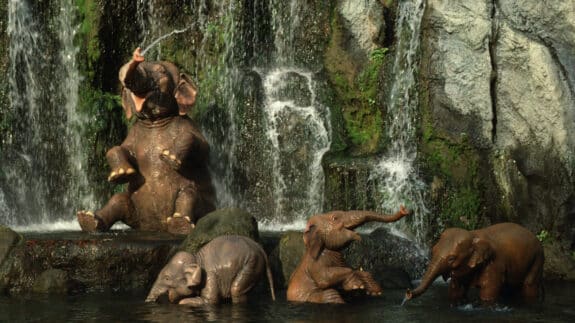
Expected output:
{"points": [[396, 172], [44, 151]]}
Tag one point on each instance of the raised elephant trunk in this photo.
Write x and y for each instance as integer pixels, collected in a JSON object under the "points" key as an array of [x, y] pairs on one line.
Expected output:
{"points": [[358, 218], [433, 271]]}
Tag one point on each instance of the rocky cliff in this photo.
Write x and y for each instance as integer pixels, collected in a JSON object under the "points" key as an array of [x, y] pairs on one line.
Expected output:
{"points": [[495, 81]]}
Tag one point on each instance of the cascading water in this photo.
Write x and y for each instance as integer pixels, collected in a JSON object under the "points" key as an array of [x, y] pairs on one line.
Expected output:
{"points": [[286, 132], [297, 125], [43, 168], [396, 172], [300, 136]]}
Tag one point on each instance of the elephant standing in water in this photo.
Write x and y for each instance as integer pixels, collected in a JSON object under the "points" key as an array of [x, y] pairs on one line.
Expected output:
{"points": [[322, 268], [163, 158], [498, 256], [226, 267]]}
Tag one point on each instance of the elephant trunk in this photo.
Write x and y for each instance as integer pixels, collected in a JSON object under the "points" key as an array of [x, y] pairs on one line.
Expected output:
{"points": [[433, 271], [358, 218], [155, 292]]}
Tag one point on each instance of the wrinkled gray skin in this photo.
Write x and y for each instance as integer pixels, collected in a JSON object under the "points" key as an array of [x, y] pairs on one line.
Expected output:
{"points": [[227, 267]]}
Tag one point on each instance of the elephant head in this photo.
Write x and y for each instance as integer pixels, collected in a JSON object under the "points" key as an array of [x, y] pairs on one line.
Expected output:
{"points": [[155, 90], [334, 230], [181, 277], [457, 253]]}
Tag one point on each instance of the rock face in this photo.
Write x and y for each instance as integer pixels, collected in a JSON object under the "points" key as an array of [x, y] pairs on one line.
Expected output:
{"points": [[77, 262], [499, 78]]}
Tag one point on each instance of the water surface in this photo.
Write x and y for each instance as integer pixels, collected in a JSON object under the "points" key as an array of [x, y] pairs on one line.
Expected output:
{"points": [[431, 307]]}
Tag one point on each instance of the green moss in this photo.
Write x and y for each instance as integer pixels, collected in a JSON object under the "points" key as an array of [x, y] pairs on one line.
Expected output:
{"points": [[356, 90], [463, 208], [459, 191]]}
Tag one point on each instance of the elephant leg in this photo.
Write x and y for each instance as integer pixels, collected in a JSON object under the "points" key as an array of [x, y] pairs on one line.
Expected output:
{"points": [[245, 280], [119, 161], [115, 210], [327, 296], [181, 222], [362, 280], [211, 292], [457, 290], [532, 285], [489, 292], [326, 277]]}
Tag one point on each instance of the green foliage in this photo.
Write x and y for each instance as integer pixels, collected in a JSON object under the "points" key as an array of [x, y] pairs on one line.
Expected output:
{"points": [[357, 87], [363, 118], [543, 236], [463, 208], [87, 37]]}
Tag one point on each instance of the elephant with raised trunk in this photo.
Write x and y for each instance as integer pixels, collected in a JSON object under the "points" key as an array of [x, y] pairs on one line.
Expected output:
{"points": [[227, 267], [504, 255], [163, 158], [322, 268]]}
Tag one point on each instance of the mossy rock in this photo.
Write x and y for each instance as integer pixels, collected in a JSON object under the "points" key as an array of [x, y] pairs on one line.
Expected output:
{"points": [[228, 221], [286, 256], [51, 281], [8, 239]]}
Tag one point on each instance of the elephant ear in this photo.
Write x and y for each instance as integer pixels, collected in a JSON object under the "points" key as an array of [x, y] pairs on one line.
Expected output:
{"points": [[193, 274], [185, 93], [312, 240], [128, 102], [482, 252]]}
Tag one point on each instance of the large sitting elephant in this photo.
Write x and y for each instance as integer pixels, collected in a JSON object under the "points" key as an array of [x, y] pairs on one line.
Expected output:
{"points": [[498, 256], [226, 267], [322, 268], [163, 158]]}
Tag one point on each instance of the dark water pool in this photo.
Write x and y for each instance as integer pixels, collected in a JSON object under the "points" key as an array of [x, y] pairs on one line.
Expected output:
{"points": [[559, 306]]}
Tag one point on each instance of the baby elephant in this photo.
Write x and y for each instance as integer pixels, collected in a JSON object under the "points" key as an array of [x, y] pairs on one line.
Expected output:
{"points": [[226, 267]]}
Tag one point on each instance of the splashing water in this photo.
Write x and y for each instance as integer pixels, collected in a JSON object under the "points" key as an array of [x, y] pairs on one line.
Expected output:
{"points": [[159, 39], [396, 172]]}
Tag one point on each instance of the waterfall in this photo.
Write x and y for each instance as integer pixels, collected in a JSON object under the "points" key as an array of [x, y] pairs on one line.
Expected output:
{"points": [[396, 173], [43, 167]]}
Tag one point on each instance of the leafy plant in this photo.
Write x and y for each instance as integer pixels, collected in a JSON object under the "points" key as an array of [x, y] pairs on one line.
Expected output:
{"points": [[543, 236]]}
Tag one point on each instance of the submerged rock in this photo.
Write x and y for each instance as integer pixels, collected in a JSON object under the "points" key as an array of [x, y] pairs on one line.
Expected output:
{"points": [[51, 281]]}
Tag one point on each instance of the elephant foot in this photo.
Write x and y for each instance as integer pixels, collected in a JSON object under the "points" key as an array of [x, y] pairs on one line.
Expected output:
{"points": [[88, 221], [353, 282], [171, 159], [178, 224], [121, 175], [372, 288]]}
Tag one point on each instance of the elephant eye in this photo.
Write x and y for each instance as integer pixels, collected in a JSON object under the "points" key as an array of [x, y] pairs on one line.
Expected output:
{"points": [[451, 259]]}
